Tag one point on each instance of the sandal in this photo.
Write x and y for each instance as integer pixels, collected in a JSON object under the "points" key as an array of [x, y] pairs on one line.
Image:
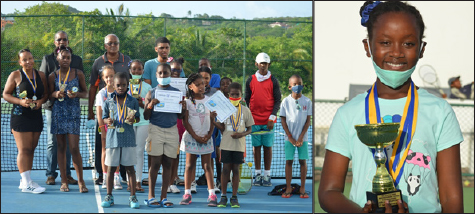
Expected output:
{"points": [[139, 189], [82, 187], [152, 203], [304, 195], [64, 187], [166, 203], [286, 195]]}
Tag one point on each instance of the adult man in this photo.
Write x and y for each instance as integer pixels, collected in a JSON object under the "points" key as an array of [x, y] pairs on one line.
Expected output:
{"points": [[162, 47], [120, 63], [49, 64]]}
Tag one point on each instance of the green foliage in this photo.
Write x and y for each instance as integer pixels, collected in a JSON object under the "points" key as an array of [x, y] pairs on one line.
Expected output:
{"points": [[224, 42]]}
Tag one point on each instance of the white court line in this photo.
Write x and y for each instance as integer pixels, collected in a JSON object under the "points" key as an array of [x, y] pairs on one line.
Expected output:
{"points": [[98, 195]]}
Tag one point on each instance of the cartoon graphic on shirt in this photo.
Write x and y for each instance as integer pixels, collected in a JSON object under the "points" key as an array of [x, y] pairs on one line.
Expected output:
{"points": [[201, 112], [417, 165], [417, 168]]}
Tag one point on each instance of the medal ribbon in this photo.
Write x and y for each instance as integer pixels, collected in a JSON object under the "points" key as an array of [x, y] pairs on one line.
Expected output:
{"points": [[236, 123], [31, 83], [121, 112], [66, 79], [396, 162]]}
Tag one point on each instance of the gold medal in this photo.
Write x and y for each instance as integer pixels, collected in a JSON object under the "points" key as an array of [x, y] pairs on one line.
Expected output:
{"points": [[120, 130]]}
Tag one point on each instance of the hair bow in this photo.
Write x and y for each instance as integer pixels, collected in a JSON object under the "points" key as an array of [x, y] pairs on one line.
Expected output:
{"points": [[366, 13], [170, 59]]}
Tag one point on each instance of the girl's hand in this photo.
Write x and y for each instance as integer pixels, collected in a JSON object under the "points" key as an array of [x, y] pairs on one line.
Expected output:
{"points": [[237, 135], [131, 119], [25, 102], [213, 115], [152, 103], [108, 121], [38, 104], [141, 103], [184, 104], [368, 207], [402, 207], [71, 94], [59, 94]]}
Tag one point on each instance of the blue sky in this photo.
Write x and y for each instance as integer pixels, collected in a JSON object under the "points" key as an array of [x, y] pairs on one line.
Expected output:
{"points": [[226, 9]]}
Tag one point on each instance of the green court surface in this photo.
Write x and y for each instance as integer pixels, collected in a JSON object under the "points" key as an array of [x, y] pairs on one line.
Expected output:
{"points": [[468, 197]]}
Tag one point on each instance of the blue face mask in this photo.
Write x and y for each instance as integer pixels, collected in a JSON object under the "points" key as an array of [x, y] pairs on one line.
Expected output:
{"points": [[393, 79], [164, 81], [297, 89]]}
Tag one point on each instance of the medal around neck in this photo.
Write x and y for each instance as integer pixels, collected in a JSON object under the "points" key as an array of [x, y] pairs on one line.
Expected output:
{"points": [[378, 136]]}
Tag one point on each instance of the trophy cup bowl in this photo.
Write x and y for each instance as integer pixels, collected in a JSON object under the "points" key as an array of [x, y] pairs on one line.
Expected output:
{"points": [[134, 81], [135, 87], [378, 136]]}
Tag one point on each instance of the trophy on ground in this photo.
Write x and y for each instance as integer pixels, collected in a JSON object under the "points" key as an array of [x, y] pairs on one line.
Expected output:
{"points": [[378, 136]]}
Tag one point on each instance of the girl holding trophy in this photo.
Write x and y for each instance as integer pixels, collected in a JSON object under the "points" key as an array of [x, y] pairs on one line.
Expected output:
{"points": [[423, 162], [66, 87], [25, 90]]}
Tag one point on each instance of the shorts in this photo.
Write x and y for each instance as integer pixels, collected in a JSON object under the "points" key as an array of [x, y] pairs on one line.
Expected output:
{"points": [[162, 141], [233, 157], [264, 139], [125, 156], [289, 150]]}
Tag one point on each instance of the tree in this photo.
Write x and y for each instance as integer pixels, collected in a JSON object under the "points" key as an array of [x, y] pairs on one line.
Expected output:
{"points": [[189, 13]]}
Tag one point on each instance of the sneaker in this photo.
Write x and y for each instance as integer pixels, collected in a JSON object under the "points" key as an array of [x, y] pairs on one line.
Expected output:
{"points": [[71, 180], [186, 199], [99, 180], [193, 188], [267, 181], [50, 180], [212, 201], [223, 201], [117, 182], [234, 202], [202, 180], [179, 182], [133, 202], [216, 188], [173, 189], [108, 201], [258, 180], [104, 186], [33, 187], [21, 186]]}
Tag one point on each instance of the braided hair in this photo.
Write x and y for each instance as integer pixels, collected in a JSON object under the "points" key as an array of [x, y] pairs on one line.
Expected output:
{"points": [[62, 48], [370, 12], [191, 78]]}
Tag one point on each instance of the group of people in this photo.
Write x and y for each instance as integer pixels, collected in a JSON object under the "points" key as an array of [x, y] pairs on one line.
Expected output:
{"points": [[125, 94]]}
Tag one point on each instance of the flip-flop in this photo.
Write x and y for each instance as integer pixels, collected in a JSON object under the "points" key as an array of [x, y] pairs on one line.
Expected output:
{"points": [[150, 203], [304, 195], [286, 195], [164, 203]]}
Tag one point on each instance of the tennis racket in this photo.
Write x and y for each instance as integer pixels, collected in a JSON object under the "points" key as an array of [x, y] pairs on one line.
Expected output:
{"points": [[246, 179], [428, 75]]}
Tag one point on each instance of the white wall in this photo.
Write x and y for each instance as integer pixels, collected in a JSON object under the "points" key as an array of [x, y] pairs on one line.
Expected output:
{"points": [[339, 56]]}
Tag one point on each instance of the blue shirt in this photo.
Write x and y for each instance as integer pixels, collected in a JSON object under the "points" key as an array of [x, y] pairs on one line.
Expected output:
{"points": [[114, 138], [150, 68], [163, 119]]}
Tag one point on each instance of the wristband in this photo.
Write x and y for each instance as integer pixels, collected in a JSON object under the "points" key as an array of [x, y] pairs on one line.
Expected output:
{"points": [[149, 107], [272, 117], [290, 135]]}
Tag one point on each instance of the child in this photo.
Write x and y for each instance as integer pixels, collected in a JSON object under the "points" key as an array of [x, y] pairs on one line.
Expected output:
{"points": [[162, 143], [120, 141], [264, 106], [66, 114], [296, 111], [177, 68], [107, 74], [197, 138], [141, 128], [430, 175], [224, 83], [233, 144]]}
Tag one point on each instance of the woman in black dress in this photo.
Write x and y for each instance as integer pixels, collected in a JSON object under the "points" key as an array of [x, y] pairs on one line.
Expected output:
{"points": [[25, 90]]}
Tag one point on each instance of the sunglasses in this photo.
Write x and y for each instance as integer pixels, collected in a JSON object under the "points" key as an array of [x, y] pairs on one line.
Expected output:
{"points": [[177, 70], [64, 39], [298, 107], [112, 43]]}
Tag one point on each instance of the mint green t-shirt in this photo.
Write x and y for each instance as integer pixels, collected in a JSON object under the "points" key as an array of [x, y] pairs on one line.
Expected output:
{"points": [[145, 88], [437, 129]]}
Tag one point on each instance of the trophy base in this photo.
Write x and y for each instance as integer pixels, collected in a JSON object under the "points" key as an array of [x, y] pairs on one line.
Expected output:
{"points": [[380, 198]]}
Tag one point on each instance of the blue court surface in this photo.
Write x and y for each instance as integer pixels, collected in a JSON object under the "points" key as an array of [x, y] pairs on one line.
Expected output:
{"points": [[54, 201]]}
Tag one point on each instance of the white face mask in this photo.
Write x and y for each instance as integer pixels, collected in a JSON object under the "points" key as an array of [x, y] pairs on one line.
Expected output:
{"points": [[391, 78]]}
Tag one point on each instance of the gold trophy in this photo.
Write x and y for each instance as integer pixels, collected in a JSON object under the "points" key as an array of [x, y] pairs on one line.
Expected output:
{"points": [[111, 115], [23, 95], [130, 114], [378, 136], [135, 87], [62, 87]]}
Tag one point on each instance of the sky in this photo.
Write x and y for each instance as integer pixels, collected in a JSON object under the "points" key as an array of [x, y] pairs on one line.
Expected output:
{"points": [[228, 9]]}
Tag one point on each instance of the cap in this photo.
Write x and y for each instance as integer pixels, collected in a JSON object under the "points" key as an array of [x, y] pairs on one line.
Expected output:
{"points": [[263, 57], [452, 79]]}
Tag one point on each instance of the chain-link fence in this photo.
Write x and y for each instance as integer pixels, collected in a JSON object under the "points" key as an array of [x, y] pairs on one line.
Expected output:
{"points": [[231, 45], [324, 111]]}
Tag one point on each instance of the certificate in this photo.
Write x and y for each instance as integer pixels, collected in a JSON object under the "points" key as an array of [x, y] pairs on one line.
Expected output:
{"points": [[221, 105], [169, 101], [180, 84]]}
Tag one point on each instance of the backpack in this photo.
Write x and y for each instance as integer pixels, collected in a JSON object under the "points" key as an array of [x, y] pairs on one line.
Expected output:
{"points": [[280, 189]]}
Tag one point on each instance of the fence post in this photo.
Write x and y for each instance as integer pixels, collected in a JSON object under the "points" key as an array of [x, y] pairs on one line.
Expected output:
{"points": [[244, 57], [82, 43]]}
